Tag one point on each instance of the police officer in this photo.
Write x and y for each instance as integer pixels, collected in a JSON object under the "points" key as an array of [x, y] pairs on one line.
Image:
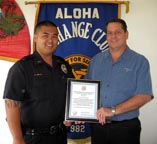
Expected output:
{"points": [[35, 92]]}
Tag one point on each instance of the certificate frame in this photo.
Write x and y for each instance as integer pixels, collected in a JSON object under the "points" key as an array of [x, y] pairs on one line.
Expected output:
{"points": [[82, 100]]}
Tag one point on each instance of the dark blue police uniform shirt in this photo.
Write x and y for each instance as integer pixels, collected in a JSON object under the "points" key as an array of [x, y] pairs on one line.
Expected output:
{"points": [[40, 88]]}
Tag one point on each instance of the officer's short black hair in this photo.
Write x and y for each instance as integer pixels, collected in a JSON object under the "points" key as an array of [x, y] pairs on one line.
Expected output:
{"points": [[118, 20], [44, 23]]}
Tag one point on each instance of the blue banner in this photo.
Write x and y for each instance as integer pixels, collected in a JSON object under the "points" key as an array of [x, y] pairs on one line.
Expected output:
{"points": [[82, 34]]}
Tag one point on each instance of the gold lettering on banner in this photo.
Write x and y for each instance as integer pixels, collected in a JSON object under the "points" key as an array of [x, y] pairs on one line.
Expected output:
{"points": [[83, 30], [77, 13], [78, 30], [97, 41], [79, 64]]}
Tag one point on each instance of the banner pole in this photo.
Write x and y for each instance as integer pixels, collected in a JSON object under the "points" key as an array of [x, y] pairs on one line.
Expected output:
{"points": [[126, 3]]}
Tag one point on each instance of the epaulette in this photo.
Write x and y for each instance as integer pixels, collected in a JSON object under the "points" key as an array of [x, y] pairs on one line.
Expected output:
{"points": [[28, 57], [59, 59]]}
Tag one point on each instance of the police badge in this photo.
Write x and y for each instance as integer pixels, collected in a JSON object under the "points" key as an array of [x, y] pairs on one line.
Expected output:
{"points": [[64, 68]]}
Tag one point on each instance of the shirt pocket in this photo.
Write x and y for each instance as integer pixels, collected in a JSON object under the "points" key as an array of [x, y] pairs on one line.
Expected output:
{"points": [[40, 86]]}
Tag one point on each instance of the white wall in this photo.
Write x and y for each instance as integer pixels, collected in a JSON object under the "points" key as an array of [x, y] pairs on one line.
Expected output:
{"points": [[142, 23]]}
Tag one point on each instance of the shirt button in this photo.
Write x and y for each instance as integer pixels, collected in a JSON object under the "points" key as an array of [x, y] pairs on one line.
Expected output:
{"points": [[105, 97], [108, 85]]}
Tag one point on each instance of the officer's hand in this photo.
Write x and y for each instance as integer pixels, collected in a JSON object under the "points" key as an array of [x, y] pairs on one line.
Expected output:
{"points": [[67, 123], [79, 122]]}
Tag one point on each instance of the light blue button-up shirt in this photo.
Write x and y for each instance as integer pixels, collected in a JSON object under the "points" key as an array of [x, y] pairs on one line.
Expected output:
{"points": [[120, 80]]}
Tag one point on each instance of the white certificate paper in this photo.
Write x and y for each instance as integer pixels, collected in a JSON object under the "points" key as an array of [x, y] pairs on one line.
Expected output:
{"points": [[82, 99]]}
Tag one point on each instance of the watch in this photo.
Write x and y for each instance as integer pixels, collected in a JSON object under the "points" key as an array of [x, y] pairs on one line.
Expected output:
{"points": [[113, 110]]}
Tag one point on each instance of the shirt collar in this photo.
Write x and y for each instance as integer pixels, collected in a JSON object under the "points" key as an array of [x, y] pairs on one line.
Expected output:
{"points": [[38, 58], [124, 56]]}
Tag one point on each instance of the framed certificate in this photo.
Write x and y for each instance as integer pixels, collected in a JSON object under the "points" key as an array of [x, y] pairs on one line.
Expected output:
{"points": [[83, 100]]}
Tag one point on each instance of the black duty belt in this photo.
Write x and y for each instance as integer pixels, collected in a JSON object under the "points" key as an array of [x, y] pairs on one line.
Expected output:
{"points": [[114, 122], [52, 130]]}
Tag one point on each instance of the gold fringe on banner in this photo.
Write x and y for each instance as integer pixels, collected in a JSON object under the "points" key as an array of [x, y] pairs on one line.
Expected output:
{"points": [[126, 3], [8, 59]]}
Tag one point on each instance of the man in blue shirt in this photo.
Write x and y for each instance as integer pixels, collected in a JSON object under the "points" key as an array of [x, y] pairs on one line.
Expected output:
{"points": [[125, 87]]}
